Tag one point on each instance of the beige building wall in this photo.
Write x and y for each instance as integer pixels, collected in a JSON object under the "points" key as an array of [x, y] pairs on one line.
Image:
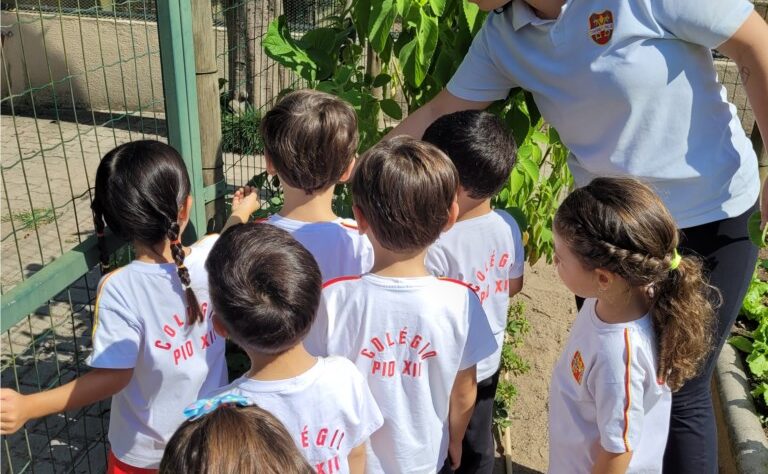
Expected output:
{"points": [[98, 64]]}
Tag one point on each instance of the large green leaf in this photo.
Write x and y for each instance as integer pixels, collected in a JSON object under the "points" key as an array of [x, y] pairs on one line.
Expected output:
{"points": [[280, 46], [391, 108], [471, 14], [756, 235], [380, 23], [438, 6]]}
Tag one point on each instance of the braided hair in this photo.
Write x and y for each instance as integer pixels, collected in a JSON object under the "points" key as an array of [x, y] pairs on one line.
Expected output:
{"points": [[140, 188], [620, 225]]}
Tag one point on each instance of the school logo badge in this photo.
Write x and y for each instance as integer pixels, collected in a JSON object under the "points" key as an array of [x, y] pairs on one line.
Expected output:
{"points": [[601, 27], [577, 367]]}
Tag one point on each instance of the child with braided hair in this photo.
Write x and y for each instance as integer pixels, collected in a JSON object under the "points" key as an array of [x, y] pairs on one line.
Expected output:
{"points": [[154, 347], [644, 329]]}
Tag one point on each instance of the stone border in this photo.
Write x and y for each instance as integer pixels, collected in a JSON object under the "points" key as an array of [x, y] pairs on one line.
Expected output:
{"points": [[745, 437]]}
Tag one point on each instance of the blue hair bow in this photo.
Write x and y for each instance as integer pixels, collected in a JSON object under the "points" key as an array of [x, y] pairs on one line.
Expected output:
{"points": [[206, 405]]}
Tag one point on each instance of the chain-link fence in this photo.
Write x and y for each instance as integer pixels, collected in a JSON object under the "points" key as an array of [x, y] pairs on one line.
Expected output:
{"points": [[77, 80]]}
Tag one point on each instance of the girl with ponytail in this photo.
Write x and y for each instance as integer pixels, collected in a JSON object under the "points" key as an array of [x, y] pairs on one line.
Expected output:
{"points": [[643, 331], [154, 347]]}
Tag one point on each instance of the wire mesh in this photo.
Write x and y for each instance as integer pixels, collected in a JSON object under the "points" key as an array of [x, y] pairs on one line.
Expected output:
{"points": [[76, 81], [251, 81]]}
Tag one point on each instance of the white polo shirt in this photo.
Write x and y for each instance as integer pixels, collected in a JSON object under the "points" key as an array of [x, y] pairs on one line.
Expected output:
{"points": [[632, 90], [604, 393]]}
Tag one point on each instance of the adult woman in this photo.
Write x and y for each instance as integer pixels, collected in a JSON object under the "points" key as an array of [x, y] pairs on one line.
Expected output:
{"points": [[632, 90]]}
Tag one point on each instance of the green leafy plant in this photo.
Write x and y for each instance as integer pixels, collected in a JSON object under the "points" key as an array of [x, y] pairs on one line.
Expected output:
{"points": [[377, 54], [511, 363], [754, 311]]}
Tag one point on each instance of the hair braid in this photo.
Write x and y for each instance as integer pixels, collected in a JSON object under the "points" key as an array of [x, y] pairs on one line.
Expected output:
{"points": [[99, 225], [194, 314], [620, 225]]}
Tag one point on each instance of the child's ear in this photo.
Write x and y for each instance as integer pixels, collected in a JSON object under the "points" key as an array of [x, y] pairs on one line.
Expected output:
{"points": [[453, 214], [217, 326], [362, 224], [348, 172], [604, 278], [269, 165], [184, 211]]}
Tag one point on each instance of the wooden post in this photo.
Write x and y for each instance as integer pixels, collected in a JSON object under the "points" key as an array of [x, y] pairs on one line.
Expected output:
{"points": [[209, 113]]}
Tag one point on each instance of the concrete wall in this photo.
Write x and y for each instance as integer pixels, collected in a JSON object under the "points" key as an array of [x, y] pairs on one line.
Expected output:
{"points": [[70, 52]]}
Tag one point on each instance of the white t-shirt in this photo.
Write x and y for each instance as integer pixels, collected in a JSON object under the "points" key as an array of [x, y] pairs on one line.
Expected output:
{"points": [[409, 337], [328, 410], [604, 390], [632, 90], [486, 252], [337, 245], [140, 323]]}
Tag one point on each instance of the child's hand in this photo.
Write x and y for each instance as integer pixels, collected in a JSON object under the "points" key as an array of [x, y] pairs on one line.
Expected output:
{"points": [[246, 200], [13, 411], [454, 453]]}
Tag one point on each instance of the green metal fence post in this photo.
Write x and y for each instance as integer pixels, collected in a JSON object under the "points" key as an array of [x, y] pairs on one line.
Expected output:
{"points": [[177, 56]]}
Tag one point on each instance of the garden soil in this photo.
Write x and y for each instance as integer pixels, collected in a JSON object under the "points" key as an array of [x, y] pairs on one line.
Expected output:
{"points": [[550, 309]]}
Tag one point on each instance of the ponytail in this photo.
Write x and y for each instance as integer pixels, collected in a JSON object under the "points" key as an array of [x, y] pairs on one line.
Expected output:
{"points": [[621, 225], [194, 314], [683, 317]]}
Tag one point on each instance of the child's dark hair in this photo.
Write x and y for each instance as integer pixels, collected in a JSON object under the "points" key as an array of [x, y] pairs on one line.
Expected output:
{"points": [[620, 225], [404, 188], [311, 138], [479, 146], [233, 439], [264, 286], [140, 189]]}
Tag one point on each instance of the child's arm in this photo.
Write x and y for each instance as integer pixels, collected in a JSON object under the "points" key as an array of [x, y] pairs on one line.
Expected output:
{"points": [[244, 203], [515, 285], [611, 463], [98, 384], [356, 459], [463, 397]]}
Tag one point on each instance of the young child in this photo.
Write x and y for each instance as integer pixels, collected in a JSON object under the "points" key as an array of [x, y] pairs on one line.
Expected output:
{"points": [[643, 329], [416, 338], [310, 142], [227, 435], [483, 248], [265, 288], [154, 347]]}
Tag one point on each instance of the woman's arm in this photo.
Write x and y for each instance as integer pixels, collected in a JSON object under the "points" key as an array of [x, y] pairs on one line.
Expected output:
{"points": [[98, 384], [444, 103], [748, 48]]}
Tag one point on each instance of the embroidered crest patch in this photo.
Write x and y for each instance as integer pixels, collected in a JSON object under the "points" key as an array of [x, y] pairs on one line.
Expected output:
{"points": [[577, 367], [601, 27]]}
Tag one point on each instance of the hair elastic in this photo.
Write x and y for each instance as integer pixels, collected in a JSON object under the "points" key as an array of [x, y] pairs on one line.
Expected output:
{"points": [[175, 242], [206, 405], [675, 262], [99, 234]]}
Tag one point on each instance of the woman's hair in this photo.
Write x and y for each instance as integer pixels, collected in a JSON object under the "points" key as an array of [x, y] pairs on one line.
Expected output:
{"points": [[265, 287], [233, 439], [620, 225], [140, 188]]}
